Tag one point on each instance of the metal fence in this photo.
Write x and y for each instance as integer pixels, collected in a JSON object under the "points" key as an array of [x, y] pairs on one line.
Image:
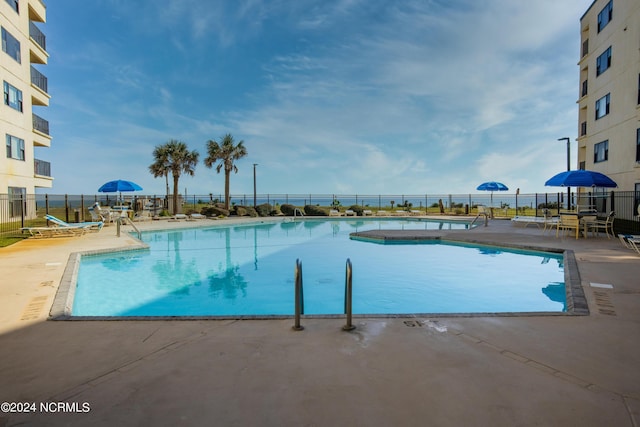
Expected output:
{"points": [[17, 211]]}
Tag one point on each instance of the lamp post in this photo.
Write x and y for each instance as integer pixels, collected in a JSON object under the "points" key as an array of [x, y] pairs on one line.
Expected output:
{"points": [[254, 184], [568, 168]]}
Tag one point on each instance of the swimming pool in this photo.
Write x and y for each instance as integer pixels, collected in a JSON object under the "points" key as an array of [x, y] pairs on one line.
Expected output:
{"points": [[248, 270]]}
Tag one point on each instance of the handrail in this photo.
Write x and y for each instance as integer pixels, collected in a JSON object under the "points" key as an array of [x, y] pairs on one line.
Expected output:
{"points": [[299, 296], [348, 293], [123, 220]]}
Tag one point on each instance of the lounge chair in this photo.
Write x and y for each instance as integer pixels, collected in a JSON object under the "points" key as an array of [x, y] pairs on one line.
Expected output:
{"points": [[90, 226], [54, 231], [195, 216], [349, 212], [334, 212], [624, 239], [367, 212], [178, 217], [528, 220], [634, 244]]}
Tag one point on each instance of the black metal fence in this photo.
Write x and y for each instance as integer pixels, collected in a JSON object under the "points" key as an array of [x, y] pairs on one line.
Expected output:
{"points": [[17, 211]]}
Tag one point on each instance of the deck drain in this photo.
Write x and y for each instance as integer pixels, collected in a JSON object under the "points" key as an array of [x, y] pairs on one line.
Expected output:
{"points": [[413, 323], [33, 309], [603, 301]]}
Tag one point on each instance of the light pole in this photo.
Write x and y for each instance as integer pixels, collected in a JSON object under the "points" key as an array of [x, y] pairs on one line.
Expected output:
{"points": [[568, 168], [254, 184]]}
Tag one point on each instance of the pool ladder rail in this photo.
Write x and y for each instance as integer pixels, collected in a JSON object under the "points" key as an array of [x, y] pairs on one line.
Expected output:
{"points": [[299, 296], [123, 221]]}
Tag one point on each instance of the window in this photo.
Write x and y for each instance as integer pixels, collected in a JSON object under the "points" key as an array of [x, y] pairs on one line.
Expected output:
{"points": [[15, 5], [638, 145], [16, 198], [601, 152], [15, 148], [12, 97], [584, 88], [10, 45], [602, 106], [603, 62], [605, 16]]}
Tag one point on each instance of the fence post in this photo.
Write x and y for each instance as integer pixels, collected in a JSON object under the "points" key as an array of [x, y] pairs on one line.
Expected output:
{"points": [[66, 207]]}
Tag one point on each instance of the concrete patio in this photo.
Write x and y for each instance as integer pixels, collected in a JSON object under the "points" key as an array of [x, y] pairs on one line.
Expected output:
{"points": [[432, 370]]}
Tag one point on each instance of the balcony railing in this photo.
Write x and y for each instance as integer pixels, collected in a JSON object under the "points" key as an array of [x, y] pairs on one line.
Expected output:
{"points": [[40, 124], [37, 35], [41, 167], [39, 79]]}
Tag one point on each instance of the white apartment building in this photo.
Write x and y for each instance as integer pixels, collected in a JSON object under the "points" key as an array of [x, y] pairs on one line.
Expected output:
{"points": [[22, 125], [609, 102]]}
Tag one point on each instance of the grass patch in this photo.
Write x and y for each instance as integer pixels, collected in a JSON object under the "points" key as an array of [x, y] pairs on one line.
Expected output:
{"points": [[10, 240]]}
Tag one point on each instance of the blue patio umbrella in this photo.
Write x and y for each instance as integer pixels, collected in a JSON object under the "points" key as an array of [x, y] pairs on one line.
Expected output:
{"points": [[492, 186], [118, 186], [580, 178]]}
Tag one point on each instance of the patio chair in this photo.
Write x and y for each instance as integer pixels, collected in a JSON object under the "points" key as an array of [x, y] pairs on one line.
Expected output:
{"points": [[606, 224], [334, 212], [367, 212], [349, 212], [99, 213], [568, 222], [54, 231], [90, 226]]}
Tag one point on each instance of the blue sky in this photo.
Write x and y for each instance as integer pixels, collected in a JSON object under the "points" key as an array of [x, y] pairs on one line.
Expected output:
{"points": [[344, 97]]}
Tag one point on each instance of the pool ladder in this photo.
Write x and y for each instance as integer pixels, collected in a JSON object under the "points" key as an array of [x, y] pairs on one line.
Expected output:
{"points": [[122, 221], [299, 296]]}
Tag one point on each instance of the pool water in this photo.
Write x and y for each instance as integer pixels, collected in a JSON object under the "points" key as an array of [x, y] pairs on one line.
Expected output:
{"points": [[249, 270]]}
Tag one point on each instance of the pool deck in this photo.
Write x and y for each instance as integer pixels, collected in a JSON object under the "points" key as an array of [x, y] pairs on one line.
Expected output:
{"points": [[431, 370]]}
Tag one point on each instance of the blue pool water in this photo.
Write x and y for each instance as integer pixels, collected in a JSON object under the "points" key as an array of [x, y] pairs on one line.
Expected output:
{"points": [[249, 270]]}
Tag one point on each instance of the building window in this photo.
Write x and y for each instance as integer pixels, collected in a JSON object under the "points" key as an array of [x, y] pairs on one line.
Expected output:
{"points": [[584, 88], [603, 62], [15, 5], [16, 199], [585, 47], [10, 45], [602, 106], [601, 152], [15, 148], [12, 97], [605, 16], [638, 145]]}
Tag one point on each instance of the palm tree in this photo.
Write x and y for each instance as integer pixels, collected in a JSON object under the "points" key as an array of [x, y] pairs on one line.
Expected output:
{"points": [[227, 153], [160, 166], [174, 157]]}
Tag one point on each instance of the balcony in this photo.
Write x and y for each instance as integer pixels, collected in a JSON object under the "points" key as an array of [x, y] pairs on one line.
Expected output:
{"points": [[42, 168], [41, 137], [39, 82], [37, 10], [38, 49]]}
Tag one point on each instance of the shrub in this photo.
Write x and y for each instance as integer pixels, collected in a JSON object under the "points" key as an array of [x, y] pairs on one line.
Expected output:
{"points": [[264, 209], [312, 210], [357, 209], [287, 209], [211, 211]]}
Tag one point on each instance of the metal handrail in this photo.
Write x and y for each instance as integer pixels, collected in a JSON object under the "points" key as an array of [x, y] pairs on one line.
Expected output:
{"points": [[123, 220], [299, 296], [348, 294]]}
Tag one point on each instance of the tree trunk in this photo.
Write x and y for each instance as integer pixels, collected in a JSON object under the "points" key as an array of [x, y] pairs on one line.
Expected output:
{"points": [[227, 174], [175, 193]]}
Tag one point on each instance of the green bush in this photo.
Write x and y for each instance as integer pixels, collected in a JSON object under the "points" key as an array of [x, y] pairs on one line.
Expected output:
{"points": [[357, 209], [311, 210], [264, 209], [287, 209]]}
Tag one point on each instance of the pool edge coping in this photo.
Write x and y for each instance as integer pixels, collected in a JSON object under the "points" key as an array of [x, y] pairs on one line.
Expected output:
{"points": [[576, 301]]}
